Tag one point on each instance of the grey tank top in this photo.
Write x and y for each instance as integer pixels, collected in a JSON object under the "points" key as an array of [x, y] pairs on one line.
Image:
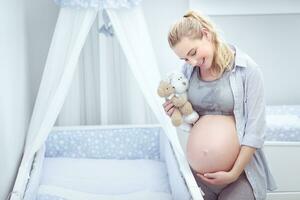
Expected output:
{"points": [[211, 97]]}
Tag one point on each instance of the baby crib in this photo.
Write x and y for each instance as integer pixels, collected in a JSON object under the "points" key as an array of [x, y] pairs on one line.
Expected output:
{"points": [[106, 162], [137, 162]]}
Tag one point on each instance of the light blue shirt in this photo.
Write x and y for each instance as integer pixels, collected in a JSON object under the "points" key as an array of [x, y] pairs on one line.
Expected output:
{"points": [[246, 82]]}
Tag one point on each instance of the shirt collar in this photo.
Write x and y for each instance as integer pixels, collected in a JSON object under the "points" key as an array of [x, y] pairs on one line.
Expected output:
{"points": [[240, 58]]}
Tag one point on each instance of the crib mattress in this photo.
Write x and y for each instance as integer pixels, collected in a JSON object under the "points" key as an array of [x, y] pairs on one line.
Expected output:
{"points": [[102, 176], [65, 194], [115, 163], [283, 123]]}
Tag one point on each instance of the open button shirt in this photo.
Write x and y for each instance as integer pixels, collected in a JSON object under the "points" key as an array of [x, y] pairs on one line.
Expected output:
{"points": [[246, 82]]}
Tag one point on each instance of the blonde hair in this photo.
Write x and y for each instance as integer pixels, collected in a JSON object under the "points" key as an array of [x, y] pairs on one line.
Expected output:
{"points": [[191, 26]]}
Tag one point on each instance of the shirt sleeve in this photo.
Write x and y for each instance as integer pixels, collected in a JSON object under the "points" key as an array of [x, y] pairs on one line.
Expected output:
{"points": [[187, 69], [255, 107]]}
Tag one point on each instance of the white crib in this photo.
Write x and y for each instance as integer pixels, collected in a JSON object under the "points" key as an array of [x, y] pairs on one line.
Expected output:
{"points": [[106, 162], [85, 161]]}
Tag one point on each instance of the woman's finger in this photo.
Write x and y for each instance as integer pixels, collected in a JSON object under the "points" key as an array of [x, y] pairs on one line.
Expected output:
{"points": [[207, 180], [167, 103], [170, 111], [168, 107]]}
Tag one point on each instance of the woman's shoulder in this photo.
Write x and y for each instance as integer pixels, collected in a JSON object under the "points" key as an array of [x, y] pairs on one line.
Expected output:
{"points": [[245, 63], [187, 70]]}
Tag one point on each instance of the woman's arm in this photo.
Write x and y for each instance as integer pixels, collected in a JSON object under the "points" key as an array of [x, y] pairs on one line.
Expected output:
{"points": [[255, 108], [254, 132], [222, 177], [242, 160], [254, 104]]}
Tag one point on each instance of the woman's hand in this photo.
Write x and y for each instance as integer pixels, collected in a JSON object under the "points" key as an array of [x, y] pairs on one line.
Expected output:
{"points": [[223, 178], [219, 178], [169, 107]]}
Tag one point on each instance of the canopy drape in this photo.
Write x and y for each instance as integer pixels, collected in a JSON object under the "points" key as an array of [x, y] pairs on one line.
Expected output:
{"points": [[70, 34]]}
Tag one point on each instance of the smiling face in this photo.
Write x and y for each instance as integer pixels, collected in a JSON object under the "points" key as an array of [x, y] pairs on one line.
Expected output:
{"points": [[196, 52]]}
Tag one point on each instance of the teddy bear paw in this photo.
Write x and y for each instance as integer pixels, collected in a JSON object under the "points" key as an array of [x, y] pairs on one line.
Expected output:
{"points": [[185, 127]]}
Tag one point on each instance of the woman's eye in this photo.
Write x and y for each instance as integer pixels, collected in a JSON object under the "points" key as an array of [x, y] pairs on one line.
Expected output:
{"points": [[193, 53]]}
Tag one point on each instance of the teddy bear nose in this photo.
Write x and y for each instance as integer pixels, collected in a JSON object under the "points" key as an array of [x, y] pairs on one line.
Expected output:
{"points": [[184, 83]]}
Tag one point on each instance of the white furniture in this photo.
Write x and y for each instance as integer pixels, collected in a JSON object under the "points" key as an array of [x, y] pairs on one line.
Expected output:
{"points": [[106, 162], [282, 150], [284, 161]]}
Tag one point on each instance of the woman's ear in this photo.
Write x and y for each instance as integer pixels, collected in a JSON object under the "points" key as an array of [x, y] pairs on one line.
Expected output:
{"points": [[206, 34]]}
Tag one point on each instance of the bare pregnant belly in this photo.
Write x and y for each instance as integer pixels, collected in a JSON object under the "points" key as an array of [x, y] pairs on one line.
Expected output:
{"points": [[213, 144]]}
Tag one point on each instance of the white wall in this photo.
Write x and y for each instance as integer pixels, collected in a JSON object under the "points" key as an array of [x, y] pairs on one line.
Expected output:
{"points": [[25, 35], [160, 15], [269, 32], [40, 16], [269, 39], [273, 42], [14, 89]]}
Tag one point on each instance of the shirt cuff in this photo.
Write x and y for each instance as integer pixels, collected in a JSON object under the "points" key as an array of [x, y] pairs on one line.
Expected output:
{"points": [[253, 141]]}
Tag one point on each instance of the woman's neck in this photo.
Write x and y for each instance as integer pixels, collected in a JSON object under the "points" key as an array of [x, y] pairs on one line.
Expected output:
{"points": [[208, 75]]}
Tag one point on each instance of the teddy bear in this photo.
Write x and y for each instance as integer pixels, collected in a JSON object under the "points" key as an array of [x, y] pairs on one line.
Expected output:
{"points": [[176, 90], [166, 90]]}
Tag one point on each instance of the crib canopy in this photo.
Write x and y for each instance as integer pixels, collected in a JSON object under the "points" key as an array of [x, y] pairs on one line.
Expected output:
{"points": [[73, 24]]}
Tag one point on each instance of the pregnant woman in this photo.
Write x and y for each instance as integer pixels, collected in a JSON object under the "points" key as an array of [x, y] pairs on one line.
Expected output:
{"points": [[224, 147]]}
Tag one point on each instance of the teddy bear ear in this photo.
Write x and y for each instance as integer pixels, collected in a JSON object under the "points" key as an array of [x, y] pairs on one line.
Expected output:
{"points": [[170, 76], [160, 90]]}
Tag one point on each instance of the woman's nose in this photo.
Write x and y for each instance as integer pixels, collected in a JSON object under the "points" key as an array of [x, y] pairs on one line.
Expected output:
{"points": [[192, 62]]}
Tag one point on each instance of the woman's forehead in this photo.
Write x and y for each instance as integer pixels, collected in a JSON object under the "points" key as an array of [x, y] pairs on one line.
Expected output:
{"points": [[183, 47]]}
